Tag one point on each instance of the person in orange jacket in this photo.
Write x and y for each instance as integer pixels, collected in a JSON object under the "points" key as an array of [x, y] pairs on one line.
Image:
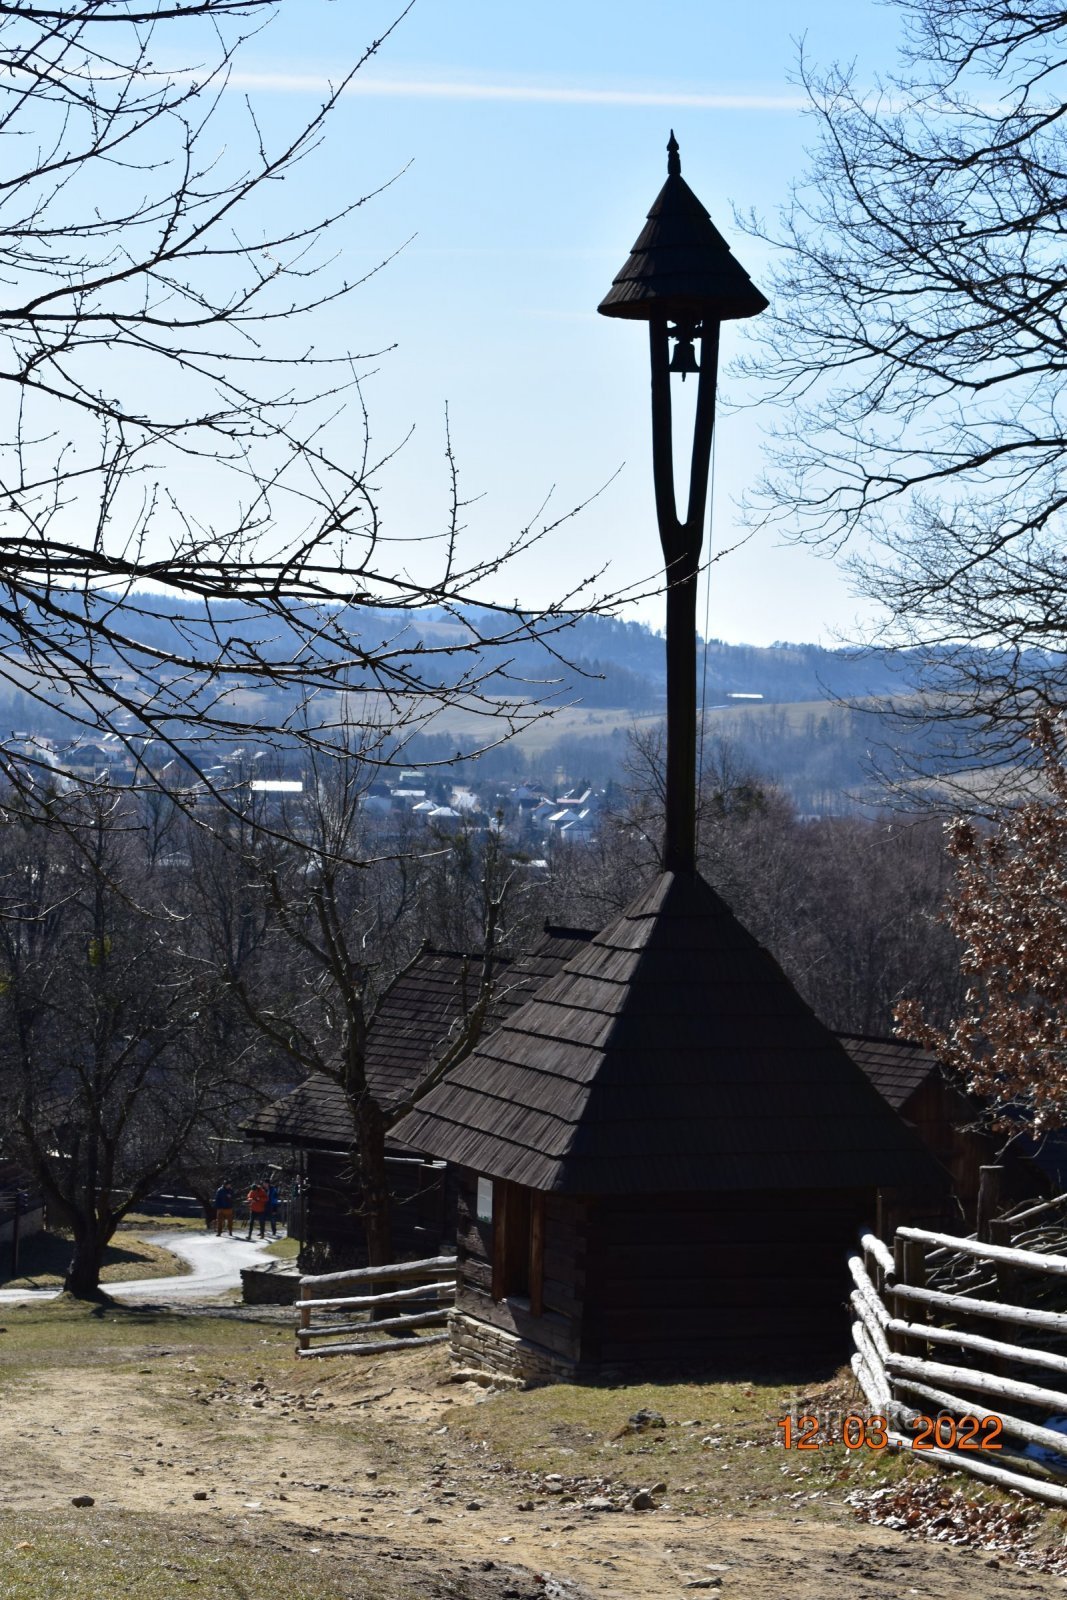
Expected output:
{"points": [[257, 1208]]}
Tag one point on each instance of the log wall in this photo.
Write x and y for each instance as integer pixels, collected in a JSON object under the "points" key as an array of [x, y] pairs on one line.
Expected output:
{"points": [[423, 1211], [556, 1333], [721, 1282]]}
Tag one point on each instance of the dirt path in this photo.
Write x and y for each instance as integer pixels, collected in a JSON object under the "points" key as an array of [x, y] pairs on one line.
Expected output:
{"points": [[349, 1456]]}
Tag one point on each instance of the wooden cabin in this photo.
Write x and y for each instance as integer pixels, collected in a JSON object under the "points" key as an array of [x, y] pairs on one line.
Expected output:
{"points": [[415, 1021], [664, 1159], [953, 1124]]}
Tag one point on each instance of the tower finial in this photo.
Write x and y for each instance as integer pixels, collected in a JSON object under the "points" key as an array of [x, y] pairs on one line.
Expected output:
{"points": [[674, 162]]}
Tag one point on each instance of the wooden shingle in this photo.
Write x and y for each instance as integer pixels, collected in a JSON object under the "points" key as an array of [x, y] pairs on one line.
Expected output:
{"points": [[411, 1029], [681, 266], [669, 1054]]}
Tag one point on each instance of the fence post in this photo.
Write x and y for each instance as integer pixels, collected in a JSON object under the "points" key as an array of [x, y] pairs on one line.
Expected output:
{"points": [[915, 1276], [901, 1259], [19, 1198], [988, 1201], [303, 1331]]}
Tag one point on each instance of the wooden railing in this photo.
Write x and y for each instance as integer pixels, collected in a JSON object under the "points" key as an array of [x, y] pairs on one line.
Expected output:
{"points": [[425, 1303], [994, 1341]]}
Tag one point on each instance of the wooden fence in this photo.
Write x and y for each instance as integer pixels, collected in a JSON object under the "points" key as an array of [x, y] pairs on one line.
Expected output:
{"points": [[927, 1358], [425, 1303]]}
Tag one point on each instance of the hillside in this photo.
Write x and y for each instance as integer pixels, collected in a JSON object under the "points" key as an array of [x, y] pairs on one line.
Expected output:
{"points": [[804, 716]]}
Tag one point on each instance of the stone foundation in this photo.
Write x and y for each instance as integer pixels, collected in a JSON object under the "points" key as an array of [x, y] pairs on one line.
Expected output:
{"points": [[275, 1285], [479, 1344]]}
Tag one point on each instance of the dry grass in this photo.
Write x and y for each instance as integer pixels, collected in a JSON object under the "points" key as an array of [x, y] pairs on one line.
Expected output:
{"points": [[89, 1554]]}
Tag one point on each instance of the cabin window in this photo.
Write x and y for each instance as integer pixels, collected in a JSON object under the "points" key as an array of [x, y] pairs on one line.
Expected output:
{"points": [[484, 1201], [518, 1244]]}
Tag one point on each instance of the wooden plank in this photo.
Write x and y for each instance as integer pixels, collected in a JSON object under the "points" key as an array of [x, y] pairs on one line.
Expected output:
{"points": [[1031, 1394], [478, 1275], [865, 1288], [865, 1381], [562, 1297], [981, 1467], [994, 1347], [1028, 1260], [375, 1349], [874, 1247], [963, 1305], [395, 1269], [871, 1324], [421, 1291], [1015, 1426], [877, 1382], [413, 1319], [554, 1333]]}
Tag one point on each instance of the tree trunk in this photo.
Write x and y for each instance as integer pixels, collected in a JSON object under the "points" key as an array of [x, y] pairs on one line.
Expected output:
{"points": [[83, 1274], [370, 1151]]}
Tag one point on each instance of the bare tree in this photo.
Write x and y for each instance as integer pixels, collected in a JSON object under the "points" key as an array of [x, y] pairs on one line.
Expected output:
{"points": [[916, 344], [329, 919], [117, 1041], [849, 906], [177, 427]]}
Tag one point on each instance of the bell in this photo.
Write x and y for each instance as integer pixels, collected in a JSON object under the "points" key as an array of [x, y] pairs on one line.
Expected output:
{"points": [[684, 358]]}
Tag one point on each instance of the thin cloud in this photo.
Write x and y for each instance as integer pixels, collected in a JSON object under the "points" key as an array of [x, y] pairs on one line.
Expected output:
{"points": [[431, 89]]}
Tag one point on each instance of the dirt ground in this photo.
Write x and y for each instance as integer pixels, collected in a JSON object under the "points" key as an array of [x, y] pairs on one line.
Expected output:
{"points": [[380, 1460]]}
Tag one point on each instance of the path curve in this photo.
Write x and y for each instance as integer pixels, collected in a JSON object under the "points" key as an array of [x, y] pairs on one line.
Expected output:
{"points": [[216, 1268]]}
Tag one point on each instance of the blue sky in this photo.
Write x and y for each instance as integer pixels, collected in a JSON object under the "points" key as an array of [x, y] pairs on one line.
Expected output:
{"points": [[533, 140]]}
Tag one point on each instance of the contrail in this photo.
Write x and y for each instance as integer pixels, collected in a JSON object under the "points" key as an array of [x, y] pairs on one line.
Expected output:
{"points": [[430, 89]]}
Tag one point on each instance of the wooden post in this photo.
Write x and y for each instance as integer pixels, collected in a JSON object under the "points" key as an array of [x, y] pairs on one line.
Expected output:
{"points": [[303, 1334], [880, 1218], [915, 1276], [15, 1234], [988, 1200], [681, 543], [537, 1255], [1000, 1232]]}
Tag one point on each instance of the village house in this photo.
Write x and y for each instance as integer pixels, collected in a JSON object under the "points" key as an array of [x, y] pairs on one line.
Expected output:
{"points": [[417, 1018], [664, 1158]]}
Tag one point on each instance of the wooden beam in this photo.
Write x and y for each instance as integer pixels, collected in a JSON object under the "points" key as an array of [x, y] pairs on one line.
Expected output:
{"points": [[1030, 1260], [351, 1302], [414, 1319], [395, 1270], [963, 1305], [377, 1348], [537, 1255]]}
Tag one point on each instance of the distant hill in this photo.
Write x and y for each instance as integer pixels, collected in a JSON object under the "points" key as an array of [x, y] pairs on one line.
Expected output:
{"points": [[802, 715]]}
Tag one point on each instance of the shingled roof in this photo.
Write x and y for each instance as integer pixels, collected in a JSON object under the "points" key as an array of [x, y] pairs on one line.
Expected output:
{"points": [[671, 1053], [681, 266], [413, 1022], [895, 1066]]}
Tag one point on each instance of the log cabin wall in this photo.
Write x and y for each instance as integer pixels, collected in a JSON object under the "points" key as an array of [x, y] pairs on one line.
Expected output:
{"points": [[504, 1334], [721, 1283], [423, 1211], [943, 1116]]}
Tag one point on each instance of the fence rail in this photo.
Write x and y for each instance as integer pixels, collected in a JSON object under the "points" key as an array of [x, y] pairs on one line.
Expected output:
{"points": [[922, 1353], [426, 1303]]}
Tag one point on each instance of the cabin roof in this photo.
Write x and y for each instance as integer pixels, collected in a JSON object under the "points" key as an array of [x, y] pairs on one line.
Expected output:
{"points": [[680, 265], [414, 1019], [669, 1054], [896, 1067]]}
